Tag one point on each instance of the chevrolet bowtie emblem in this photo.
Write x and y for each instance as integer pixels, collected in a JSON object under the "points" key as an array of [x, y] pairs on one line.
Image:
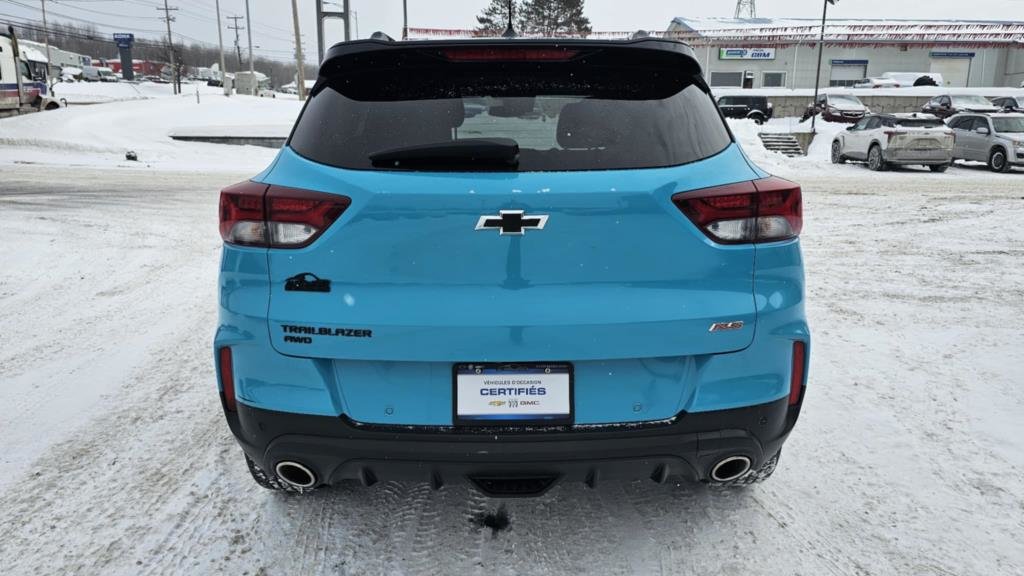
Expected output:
{"points": [[513, 222]]}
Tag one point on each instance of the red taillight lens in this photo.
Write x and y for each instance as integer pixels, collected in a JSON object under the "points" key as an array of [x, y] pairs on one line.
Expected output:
{"points": [[227, 378], [241, 214], [472, 54], [766, 210], [796, 378], [254, 214]]}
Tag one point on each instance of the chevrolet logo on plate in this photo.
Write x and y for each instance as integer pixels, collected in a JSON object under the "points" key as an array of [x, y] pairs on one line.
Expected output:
{"points": [[513, 222]]}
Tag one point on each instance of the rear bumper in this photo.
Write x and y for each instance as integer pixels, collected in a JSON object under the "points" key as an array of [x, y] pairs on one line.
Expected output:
{"points": [[926, 157], [336, 448]]}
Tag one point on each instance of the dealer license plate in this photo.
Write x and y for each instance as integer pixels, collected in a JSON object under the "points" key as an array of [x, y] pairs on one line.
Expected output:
{"points": [[489, 394]]}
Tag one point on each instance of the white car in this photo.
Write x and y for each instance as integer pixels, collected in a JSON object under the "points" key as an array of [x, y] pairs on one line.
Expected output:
{"points": [[905, 79], [996, 139], [883, 140], [877, 83]]}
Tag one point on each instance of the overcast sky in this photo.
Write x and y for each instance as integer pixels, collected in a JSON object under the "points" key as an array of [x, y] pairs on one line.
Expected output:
{"points": [[273, 18]]}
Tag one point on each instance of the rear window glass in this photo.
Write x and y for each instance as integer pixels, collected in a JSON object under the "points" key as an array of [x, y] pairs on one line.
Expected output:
{"points": [[740, 101], [562, 117], [918, 122]]}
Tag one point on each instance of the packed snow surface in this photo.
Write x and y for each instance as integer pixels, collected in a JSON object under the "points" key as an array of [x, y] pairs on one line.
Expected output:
{"points": [[908, 458]]}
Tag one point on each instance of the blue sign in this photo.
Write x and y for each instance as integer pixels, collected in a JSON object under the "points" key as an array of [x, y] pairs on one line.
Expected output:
{"points": [[849, 62], [952, 54], [123, 39]]}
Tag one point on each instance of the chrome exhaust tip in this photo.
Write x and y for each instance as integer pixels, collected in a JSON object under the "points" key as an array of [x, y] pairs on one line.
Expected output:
{"points": [[730, 468], [295, 474]]}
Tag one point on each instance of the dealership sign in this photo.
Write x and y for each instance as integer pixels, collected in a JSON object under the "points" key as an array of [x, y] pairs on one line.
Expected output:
{"points": [[746, 53]]}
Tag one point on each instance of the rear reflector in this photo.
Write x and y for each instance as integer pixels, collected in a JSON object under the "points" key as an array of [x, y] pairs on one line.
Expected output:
{"points": [[766, 210], [227, 378], [253, 214], [796, 379], [508, 54]]}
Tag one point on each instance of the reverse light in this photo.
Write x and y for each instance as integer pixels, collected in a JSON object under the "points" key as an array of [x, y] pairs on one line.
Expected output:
{"points": [[796, 378], [253, 214], [766, 210], [227, 378]]}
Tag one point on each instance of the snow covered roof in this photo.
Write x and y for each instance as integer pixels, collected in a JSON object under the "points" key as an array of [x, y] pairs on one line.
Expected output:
{"points": [[32, 53], [839, 31]]}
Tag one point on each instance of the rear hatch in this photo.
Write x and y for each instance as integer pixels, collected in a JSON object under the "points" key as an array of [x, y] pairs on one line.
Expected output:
{"points": [[920, 134], [455, 247]]}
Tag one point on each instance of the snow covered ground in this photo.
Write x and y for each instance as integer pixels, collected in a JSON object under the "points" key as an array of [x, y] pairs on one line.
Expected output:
{"points": [[908, 458], [141, 118]]}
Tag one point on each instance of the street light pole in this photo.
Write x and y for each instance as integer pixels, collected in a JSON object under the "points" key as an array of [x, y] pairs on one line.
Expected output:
{"points": [[248, 30], [821, 48], [46, 38], [300, 77], [220, 44], [405, 19]]}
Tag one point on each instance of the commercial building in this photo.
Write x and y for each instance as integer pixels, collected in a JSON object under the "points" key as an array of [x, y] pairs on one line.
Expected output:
{"points": [[783, 52]]}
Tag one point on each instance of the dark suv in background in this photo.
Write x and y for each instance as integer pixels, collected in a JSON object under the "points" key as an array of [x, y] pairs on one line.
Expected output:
{"points": [[756, 108], [947, 105]]}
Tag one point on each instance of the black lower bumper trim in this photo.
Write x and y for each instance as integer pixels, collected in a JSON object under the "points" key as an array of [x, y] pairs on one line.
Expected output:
{"points": [[338, 449]]}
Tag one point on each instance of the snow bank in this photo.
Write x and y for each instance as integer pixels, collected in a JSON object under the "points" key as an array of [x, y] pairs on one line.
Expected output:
{"points": [[141, 117]]}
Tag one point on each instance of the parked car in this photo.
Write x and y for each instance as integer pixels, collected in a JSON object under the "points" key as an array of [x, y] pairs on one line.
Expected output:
{"points": [[837, 108], [877, 83], [947, 105], [386, 314], [907, 79], [902, 80], [756, 108], [883, 140], [996, 139], [1010, 103]]}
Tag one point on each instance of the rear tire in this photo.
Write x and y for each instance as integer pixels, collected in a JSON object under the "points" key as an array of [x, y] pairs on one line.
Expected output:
{"points": [[997, 161], [837, 154], [757, 118], [751, 477], [875, 161], [270, 481], [938, 167]]}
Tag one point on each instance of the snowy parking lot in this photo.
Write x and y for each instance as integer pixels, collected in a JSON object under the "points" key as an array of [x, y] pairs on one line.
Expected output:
{"points": [[908, 459]]}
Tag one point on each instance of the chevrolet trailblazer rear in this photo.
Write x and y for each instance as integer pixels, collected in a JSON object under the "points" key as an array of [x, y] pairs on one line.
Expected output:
{"points": [[511, 263]]}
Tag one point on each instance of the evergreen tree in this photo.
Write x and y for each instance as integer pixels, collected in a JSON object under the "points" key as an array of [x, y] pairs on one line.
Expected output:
{"points": [[493, 20], [555, 17]]}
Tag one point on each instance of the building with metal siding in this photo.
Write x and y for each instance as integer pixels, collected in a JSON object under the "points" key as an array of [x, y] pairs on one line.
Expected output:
{"points": [[782, 53]]}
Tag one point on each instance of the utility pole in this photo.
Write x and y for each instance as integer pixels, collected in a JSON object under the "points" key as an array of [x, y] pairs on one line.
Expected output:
{"points": [[46, 38], [821, 48], [170, 46], [252, 73], [300, 77], [405, 19], [236, 28], [220, 45], [322, 15]]}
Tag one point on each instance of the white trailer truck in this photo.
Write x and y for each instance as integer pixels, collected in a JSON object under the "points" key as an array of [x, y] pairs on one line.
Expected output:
{"points": [[21, 91]]}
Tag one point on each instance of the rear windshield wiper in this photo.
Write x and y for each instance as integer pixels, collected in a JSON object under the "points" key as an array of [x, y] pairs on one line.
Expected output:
{"points": [[502, 152]]}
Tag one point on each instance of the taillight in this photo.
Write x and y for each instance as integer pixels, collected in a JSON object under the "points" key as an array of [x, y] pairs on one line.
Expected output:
{"points": [[766, 210], [796, 377], [253, 214], [227, 378]]}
